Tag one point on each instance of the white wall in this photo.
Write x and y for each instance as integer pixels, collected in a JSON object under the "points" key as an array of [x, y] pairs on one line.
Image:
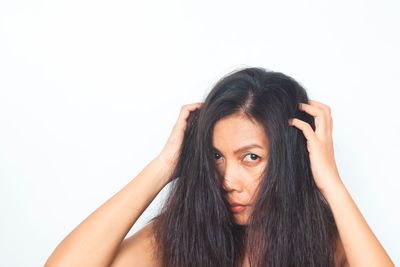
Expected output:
{"points": [[90, 90]]}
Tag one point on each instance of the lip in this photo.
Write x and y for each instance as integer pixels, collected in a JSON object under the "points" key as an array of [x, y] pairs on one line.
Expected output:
{"points": [[236, 208], [236, 204]]}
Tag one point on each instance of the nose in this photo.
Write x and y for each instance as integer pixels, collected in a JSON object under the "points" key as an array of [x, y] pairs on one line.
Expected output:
{"points": [[232, 178]]}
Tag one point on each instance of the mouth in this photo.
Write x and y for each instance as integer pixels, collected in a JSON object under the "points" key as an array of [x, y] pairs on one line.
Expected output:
{"points": [[237, 208]]}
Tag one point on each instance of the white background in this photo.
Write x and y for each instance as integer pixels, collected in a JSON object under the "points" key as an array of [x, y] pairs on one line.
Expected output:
{"points": [[90, 90]]}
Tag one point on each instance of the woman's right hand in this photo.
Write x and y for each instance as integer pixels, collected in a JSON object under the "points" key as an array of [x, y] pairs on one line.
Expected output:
{"points": [[171, 151]]}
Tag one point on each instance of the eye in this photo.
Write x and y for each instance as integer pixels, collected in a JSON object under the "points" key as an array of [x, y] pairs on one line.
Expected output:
{"points": [[253, 157], [217, 156]]}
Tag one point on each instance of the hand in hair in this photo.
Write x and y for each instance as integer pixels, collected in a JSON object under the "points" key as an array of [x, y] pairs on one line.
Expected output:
{"points": [[170, 152], [319, 144], [360, 244]]}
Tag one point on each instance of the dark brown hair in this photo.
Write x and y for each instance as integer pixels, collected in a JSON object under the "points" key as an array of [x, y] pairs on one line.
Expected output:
{"points": [[291, 224]]}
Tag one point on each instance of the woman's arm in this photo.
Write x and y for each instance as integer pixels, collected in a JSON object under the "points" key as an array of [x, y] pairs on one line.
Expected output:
{"points": [[95, 241], [361, 246], [359, 242]]}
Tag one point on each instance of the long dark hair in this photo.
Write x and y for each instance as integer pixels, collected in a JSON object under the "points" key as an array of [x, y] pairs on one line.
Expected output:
{"points": [[291, 224]]}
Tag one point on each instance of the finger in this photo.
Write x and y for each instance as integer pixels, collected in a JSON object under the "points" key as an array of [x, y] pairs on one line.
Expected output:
{"points": [[185, 112], [321, 127], [190, 107], [319, 104], [327, 109], [328, 115], [193, 105], [305, 128]]}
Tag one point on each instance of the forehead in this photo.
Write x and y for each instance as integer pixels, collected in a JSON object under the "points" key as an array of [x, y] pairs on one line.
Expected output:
{"points": [[238, 130]]}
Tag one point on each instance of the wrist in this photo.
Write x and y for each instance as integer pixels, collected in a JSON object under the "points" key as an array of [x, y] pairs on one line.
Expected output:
{"points": [[333, 191], [165, 168]]}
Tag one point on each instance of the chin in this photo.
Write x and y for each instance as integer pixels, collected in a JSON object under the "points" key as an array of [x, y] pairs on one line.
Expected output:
{"points": [[241, 220]]}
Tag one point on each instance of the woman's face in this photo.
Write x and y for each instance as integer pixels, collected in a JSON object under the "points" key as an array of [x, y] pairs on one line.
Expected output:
{"points": [[241, 156]]}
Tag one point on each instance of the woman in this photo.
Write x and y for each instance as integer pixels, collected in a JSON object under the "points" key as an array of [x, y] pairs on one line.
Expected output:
{"points": [[254, 183]]}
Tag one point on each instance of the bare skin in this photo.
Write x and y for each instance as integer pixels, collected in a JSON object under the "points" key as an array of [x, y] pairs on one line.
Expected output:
{"points": [[141, 245], [242, 171], [99, 239], [240, 165], [361, 246]]}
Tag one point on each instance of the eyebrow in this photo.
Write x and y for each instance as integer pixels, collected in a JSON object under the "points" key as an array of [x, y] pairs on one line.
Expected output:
{"points": [[237, 151]]}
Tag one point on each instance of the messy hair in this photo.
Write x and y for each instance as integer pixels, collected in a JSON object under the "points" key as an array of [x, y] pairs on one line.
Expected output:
{"points": [[291, 223]]}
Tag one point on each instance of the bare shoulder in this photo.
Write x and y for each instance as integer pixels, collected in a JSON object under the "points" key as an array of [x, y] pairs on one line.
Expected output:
{"points": [[340, 257], [137, 250]]}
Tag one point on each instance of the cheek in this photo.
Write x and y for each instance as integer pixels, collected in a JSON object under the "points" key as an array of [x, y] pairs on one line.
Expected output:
{"points": [[255, 177], [255, 174], [251, 187]]}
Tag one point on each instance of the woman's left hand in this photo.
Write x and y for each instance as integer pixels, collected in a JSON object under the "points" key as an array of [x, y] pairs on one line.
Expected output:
{"points": [[319, 144]]}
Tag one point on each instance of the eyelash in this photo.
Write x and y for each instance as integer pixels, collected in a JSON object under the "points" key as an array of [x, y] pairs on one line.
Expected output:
{"points": [[257, 157]]}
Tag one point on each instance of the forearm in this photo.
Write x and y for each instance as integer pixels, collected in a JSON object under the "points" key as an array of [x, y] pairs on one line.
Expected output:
{"points": [[95, 241], [361, 246]]}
